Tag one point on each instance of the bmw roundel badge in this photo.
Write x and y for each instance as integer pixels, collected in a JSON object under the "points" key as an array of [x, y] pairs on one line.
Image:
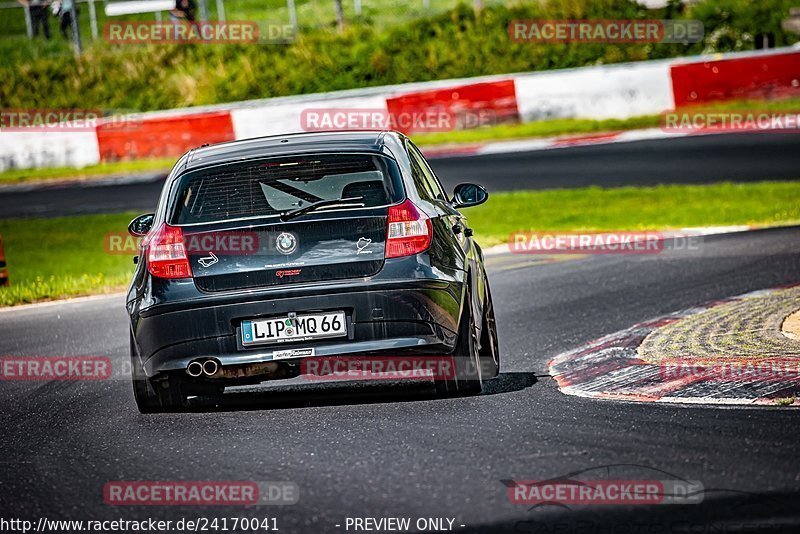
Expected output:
{"points": [[286, 243]]}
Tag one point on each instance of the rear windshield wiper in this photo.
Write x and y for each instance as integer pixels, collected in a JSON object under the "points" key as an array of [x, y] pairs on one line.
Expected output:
{"points": [[286, 215]]}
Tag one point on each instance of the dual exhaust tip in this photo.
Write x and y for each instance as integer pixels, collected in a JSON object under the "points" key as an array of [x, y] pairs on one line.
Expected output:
{"points": [[207, 367]]}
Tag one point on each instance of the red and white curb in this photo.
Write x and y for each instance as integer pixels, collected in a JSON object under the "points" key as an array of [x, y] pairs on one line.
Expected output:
{"points": [[545, 143], [611, 368]]}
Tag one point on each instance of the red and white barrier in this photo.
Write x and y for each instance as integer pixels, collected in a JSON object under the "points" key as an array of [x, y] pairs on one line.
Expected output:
{"points": [[605, 92], [601, 92], [163, 136], [752, 77]]}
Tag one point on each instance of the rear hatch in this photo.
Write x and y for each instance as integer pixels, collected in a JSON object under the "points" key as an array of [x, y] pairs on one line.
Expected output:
{"points": [[286, 220]]}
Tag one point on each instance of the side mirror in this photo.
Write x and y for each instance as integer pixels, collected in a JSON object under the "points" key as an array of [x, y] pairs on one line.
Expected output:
{"points": [[467, 195], [141, 225]]}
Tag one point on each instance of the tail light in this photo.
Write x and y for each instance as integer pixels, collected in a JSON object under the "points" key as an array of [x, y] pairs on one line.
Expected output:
{"points": [[166, 253], [409, 231]]}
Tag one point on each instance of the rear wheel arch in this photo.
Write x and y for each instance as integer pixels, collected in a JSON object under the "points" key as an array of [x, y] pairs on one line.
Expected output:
{"points": [[468, 289], [465, 358]]}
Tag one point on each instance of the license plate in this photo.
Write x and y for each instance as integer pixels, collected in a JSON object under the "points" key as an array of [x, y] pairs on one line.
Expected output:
{"points": [[290, 329]]}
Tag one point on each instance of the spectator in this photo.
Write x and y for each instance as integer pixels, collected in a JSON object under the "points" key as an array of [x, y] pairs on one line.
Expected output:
{"points": [[185, 9], [39, 16], [65, 12]]}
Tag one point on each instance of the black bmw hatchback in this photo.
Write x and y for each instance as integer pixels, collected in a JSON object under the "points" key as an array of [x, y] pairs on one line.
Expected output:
{"points": [[268, 254]]}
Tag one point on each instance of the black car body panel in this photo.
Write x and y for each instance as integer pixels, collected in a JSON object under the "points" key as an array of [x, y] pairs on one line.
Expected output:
{"points": [[394, 305]]}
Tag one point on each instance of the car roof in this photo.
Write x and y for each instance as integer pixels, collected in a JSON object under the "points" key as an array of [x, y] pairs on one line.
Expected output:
{"points": [[290, 144]]}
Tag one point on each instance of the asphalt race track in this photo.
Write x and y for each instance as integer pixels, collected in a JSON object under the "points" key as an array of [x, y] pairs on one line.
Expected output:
{"points": [[392, 450], [700, 159]]}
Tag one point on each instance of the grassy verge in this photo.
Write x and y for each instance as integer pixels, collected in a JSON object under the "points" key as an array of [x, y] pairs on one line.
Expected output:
{"points": [[546, 128], [62, 257], [87, 173], [635, 208], [555, 127], [54, 258]]}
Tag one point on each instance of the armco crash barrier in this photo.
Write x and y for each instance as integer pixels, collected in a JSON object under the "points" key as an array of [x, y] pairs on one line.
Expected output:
{"points": [[613, 91]]}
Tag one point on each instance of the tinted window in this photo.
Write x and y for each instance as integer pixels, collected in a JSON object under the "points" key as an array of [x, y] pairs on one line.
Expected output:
{"points": [[269, 187], [423, 186], [431, 182]]}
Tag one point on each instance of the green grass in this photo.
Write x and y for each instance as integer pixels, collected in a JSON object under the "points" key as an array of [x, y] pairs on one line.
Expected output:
{"points": [[546, 128], [54, 258], [635, 208], [556, 127], [90, 172], [62, 257]]}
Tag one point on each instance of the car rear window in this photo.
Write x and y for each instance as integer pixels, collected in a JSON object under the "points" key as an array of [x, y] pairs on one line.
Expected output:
{"points": [[269, 187]]}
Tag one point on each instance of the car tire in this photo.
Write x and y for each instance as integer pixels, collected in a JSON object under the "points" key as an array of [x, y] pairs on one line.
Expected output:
{"points": [[143, 393], [154, 396], [466, 377], [489, 348]]}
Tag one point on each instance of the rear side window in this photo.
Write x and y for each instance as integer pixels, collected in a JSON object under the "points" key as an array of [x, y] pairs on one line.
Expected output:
{"points": [[426, 176], [269, 187]]}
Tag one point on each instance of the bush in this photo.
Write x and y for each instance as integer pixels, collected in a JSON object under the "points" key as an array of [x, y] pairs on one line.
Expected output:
{"points": [[457, 43], [733, 24]]}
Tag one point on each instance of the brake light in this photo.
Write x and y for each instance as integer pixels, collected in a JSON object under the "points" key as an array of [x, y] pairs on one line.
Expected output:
{"points": [[166, 253], [409, 231]]}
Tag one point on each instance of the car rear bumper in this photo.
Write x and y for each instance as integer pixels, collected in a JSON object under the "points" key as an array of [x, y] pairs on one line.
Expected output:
{"points": [[413, 316]]}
